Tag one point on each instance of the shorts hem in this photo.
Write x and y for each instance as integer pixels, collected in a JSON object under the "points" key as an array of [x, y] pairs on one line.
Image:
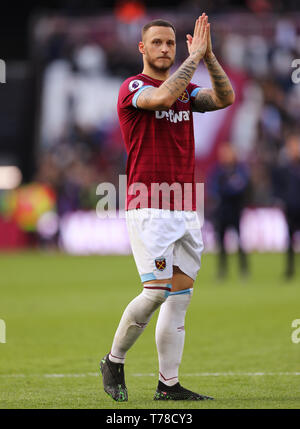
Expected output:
{"points": [[147, 277], [151, 276]]}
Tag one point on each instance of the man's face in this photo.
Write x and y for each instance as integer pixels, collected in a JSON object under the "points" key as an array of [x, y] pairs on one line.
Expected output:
{"points": [[159, 48]]}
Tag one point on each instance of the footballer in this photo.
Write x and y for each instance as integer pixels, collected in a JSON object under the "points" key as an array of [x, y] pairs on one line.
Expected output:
{"points": [[155, 112]]}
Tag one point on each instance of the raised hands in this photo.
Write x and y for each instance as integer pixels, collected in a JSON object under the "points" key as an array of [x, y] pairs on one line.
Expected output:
{"points": [[200, 43], [207, 99]]}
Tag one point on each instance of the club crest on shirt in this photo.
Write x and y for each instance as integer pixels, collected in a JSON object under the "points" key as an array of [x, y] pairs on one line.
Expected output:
{"points": [[135, 84], [160, 263], [185, 96]]}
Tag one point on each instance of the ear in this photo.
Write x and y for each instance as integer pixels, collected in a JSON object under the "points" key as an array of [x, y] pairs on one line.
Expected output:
{"points": [[141, 47]]}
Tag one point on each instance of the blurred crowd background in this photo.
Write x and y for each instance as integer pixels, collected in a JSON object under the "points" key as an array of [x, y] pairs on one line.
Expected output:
{"points": [[60, 138]]}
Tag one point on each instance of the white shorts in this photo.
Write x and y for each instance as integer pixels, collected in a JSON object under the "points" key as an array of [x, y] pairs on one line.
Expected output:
{"points": [[163, 238]]}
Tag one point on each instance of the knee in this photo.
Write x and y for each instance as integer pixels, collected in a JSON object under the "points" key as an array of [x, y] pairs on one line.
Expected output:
{"points": [[157, 292]]}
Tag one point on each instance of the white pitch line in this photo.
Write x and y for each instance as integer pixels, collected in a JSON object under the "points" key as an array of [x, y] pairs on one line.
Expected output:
{"points": [[224, 374], [197, 374]]}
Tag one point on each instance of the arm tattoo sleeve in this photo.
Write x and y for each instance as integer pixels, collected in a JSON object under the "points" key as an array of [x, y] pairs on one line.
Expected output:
{"points": [[146, 96], [172, 88], [179, 80], [204, 101], [221, 95]]}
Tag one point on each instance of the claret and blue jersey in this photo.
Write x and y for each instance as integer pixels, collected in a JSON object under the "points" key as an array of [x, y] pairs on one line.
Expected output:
{"points": [[159, 144]]}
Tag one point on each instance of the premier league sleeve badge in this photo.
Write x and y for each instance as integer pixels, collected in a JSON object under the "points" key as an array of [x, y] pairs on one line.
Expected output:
{"points": [[135, 84]]}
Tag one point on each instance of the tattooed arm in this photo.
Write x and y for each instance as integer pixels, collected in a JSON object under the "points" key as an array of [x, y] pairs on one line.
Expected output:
{"points": [[221, 95], [165, 96]]}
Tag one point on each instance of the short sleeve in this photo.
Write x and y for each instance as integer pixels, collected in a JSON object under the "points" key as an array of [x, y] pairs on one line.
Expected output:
{"points": [[193, 90], [130, 91]]}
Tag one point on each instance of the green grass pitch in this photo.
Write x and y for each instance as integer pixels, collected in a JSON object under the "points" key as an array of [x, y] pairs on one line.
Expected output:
{"points": [[61, 313]]}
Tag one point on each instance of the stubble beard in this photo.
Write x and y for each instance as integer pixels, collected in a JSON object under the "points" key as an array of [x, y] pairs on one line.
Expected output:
{"points": [[156, 68]]}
